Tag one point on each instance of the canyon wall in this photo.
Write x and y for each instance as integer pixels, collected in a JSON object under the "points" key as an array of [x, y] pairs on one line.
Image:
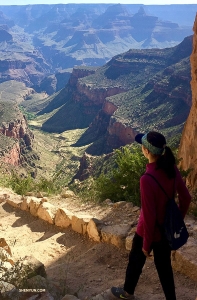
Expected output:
{"points": [[188, 145], [14, 137]]}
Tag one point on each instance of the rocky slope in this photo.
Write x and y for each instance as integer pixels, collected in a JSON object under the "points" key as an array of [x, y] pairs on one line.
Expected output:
{"points": [[15, 135], [37, 41], [187, 150], [135, 91]]}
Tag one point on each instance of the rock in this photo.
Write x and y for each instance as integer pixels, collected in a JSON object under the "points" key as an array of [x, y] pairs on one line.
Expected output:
{"points": [[108, 202], [67, 194], [80, 223], [129, 205], [5, 246], [119, 204], [14, 201], [37, 282], [35, 266], [135, 209], [5, 265], [129, 242], [5, 256], [104, 296], [6, 287], [3, 197], [39, 195], [25, 205], [63, 218], [115, 234], [185, 259], [46, 296], [46, 212], [33, 205], [188, 144], [94, 229]]}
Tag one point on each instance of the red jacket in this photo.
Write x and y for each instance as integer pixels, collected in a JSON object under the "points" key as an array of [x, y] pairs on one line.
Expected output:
{"points": [[153, 202]]}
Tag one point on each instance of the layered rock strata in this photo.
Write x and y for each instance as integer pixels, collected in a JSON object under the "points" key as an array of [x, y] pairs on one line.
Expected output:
{"points": [[188, 145]]}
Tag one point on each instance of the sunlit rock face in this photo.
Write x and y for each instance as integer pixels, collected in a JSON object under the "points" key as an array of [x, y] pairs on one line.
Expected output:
{"points": [[188, 146]]}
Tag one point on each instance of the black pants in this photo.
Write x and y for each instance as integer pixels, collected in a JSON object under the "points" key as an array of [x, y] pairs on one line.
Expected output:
{"points": [[162, 259]]}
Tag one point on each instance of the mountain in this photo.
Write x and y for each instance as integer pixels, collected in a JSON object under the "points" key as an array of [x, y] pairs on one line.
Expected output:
{"points": [[38, 41], [136, 91]]}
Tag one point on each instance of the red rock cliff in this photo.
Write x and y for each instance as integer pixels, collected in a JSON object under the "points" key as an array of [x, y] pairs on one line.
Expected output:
{"points": [[188, 146], [16, 130]]}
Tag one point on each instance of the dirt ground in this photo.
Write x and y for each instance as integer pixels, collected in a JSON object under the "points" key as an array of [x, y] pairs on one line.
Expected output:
{"points": [[77, 265]]}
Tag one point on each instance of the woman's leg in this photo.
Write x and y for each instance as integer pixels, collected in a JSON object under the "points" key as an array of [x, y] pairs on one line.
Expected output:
{"points": [[136, 262], [162, 259]]}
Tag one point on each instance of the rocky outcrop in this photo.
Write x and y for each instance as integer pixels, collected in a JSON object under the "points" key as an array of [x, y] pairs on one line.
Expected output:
{"points": [[80, 73], [13, 156], [187, 150], [15, 137]]}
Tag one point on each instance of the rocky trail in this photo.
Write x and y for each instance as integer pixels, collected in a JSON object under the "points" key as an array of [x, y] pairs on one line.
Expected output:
{"points": [[76, 265]]}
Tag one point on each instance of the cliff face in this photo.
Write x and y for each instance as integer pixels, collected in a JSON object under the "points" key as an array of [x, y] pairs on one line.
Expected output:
{"points": [[12, 157], [14, 136], [187, 150]]}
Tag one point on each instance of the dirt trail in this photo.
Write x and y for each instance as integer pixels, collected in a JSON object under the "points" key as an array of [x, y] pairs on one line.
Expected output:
{"points": [[76, 264]]}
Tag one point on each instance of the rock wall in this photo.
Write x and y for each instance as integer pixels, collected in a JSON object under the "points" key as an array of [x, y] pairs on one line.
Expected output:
{"points": [[17, 130], [188, 145], [13, 156]]}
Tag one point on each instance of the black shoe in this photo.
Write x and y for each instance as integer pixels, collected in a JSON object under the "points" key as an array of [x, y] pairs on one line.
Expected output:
{"points": [[121, 294]]}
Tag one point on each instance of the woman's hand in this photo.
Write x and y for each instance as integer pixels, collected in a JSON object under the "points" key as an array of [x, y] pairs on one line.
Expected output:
{"points": [[146, 253]]}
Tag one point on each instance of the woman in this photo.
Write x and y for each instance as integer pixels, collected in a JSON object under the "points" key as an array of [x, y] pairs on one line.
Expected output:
{"points": [[153, 201]]}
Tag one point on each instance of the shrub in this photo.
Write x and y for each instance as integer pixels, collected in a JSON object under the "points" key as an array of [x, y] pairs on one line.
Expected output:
{"points": [[122, 183], [23, 184]]}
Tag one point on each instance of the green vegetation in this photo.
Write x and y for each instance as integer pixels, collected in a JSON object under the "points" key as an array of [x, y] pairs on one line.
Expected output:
{"points": [[116, 183], [22, 185], [123, 182]]}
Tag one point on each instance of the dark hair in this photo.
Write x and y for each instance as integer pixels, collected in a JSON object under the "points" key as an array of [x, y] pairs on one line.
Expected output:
{"points": [[166, 161]]}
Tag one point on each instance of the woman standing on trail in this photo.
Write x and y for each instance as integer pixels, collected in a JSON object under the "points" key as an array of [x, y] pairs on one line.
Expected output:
{"points": [[153, 202]]}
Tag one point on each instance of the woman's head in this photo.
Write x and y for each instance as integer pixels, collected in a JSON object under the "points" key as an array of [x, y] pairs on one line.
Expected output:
{"points": [[154, 147], [153, 141]]}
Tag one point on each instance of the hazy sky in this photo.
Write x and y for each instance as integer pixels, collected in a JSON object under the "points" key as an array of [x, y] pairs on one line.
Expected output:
{"points": [[146, 2]]}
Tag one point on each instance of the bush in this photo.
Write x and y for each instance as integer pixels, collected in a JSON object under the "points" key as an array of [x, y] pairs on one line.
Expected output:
{"points": [[122, 183], [21, 185]]}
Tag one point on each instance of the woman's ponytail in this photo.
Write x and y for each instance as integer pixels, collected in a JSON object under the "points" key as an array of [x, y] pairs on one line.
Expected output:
{"points": [[166, 162]]}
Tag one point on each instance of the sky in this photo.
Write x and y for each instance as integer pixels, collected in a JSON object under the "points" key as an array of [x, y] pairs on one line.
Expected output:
{"points": [[146, 2]]}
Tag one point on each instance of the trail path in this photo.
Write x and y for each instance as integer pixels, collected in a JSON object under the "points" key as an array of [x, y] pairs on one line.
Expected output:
{"points": [[75, 264]]}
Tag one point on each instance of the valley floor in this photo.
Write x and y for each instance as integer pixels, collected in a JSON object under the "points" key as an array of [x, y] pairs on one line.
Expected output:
{"points": [[77, 265]]}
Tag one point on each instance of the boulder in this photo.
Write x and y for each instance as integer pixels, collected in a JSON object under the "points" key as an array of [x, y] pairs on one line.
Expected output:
{"points": [[115, 234], [25, 205], [67, 194], [94, 229], [35, 267], [63, 218], [80, 223], [33, 205], [184, 260], [46, 211], [14, 201]]}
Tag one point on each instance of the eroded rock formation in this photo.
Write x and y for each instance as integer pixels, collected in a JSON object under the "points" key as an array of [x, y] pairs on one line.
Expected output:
{"points": [[14, 137], [187, 150]]}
